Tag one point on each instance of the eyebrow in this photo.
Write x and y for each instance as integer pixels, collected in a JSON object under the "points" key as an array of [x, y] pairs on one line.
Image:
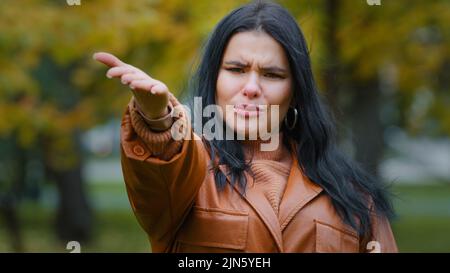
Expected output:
{"points": [[267, 68]]}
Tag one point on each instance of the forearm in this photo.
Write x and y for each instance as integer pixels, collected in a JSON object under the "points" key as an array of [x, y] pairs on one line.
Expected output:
{"points": [[162, 175]]}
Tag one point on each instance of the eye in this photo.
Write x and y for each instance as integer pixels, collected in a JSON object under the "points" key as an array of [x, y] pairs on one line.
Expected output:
{"points": [[235, 69], [273, 76]]}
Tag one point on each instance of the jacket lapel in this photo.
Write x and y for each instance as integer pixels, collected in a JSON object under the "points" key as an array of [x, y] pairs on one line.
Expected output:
{"points": [[256, 199], [299, 191]]}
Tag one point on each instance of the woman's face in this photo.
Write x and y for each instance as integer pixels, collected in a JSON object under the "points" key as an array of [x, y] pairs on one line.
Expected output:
{"points": [[253, 77]]}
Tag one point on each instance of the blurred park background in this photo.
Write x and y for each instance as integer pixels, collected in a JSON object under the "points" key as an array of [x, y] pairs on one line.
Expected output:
{"points": [[384, 69]]}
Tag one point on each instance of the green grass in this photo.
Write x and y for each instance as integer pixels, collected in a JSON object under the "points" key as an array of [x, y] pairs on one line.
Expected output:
{"points": [[114, 231], [423, 222], [115, 227], [423, 234], [422, 225]]}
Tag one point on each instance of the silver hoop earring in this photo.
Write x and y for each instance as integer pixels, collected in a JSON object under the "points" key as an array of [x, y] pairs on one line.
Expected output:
{"points": [[290, 127]]}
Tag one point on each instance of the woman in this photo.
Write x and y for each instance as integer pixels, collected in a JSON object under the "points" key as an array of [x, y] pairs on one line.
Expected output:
{"points": [[203, 194]]}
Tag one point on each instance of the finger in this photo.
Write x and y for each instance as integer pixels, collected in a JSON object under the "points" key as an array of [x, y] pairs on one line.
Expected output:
{"points": [[107, 59], [127, 78], [159, 88], [146, 85], [119, 71]]}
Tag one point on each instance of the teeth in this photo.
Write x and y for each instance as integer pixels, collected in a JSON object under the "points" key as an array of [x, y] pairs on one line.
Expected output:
{"points": [[248, 107]]}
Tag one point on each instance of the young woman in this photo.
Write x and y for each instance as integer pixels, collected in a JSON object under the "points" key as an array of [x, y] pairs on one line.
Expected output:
{"points": [[203, 194]]}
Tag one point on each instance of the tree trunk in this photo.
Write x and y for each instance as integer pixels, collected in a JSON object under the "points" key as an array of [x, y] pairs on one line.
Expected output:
{"points": [[74, 215], [331, 71], [14, 159], [366, 126], [363, 109], [9, 211]]}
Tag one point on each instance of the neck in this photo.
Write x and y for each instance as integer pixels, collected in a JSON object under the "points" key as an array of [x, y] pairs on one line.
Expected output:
{"points": [[271, 149]]}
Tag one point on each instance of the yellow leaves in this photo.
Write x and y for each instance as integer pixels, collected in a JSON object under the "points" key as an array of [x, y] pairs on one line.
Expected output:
{"points": [[15, 79], [163, 37], [140, 32], [82, 77], [62, 152], [6, 124], [83, 116], [420, 64], [18, 118], [441, 112]]}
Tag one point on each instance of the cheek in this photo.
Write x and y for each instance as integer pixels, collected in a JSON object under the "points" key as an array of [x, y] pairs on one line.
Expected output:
{"points": [[226, 88], [282, 98]]}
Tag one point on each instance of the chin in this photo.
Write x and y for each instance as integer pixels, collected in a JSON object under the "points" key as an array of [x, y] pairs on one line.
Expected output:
{"points": [[249, 133]]}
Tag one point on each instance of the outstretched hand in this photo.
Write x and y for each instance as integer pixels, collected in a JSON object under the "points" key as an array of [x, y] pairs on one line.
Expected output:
{"points": [[151, 95]]}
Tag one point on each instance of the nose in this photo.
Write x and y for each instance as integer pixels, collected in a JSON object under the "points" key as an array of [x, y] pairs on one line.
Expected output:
{"points": [[252, 88]]}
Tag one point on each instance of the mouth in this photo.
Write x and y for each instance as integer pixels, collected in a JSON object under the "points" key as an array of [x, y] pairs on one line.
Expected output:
{"points": [[247, 110]]}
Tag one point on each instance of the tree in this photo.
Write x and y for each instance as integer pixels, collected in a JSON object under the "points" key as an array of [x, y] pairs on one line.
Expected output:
{"points": [[52, 90], [380, 65]]}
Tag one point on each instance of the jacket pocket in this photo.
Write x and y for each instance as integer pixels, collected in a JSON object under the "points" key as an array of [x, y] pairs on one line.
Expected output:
{"points": [[213, 230], [331, 239]]}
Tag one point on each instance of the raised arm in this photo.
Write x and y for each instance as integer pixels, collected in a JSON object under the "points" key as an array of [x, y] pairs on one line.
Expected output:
{"points": [[162, 175]]}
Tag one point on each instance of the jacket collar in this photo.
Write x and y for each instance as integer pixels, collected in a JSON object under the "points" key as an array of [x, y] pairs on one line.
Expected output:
{"points": [[299, 192]]}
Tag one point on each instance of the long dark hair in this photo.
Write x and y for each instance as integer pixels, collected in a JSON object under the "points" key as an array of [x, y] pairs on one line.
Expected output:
{"points": [[349, 186]]}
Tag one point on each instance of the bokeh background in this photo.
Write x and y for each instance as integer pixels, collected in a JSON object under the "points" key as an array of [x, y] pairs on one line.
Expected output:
{"points": [[384, 69]]}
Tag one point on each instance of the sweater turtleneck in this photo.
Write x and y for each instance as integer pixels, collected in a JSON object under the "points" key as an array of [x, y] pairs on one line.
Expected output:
{"points": [[270, 168]]}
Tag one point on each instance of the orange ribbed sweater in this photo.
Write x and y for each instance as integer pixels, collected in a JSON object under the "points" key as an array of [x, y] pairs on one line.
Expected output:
{"points": [[271, 170]]}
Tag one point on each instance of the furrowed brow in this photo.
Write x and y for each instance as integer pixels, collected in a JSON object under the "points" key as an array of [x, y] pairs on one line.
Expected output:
{"points": [[271, 69], [274, 69], [236, 63]]}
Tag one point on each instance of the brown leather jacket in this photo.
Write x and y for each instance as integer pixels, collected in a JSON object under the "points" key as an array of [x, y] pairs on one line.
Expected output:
{"points": [[178, 205]]}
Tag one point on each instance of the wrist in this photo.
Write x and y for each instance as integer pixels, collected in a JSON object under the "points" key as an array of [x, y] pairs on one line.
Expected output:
{"points": [[159, 122], [152, 114], [158, 115]]}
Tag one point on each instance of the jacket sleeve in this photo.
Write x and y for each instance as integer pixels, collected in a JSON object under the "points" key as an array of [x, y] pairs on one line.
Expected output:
{"points": [[162, 175]]}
